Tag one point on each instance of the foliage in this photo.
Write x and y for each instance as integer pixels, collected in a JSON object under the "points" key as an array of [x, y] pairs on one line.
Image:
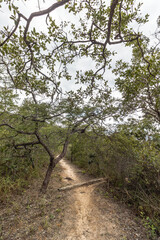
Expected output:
{"points": [[138, 81], [16, 172], [112, 155], [130, 159], [83, 153], [35, 64]]}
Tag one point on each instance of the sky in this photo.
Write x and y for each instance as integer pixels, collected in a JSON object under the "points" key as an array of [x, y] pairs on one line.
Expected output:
{"points": [[152, 7]]}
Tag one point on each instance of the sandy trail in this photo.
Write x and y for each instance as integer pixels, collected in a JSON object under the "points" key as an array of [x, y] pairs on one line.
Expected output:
{"points": [[85, 221]]}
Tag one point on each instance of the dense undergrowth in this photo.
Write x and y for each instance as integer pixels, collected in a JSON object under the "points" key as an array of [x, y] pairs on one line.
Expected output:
{"points": [[129, 157], [20, 162], [132, 164], [17, 171]]}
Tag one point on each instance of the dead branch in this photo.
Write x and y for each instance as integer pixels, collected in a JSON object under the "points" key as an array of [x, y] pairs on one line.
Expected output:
{"points": [[93, 181]]}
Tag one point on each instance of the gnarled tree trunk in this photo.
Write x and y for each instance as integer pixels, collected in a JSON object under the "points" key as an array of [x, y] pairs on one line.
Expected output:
{"points": [[53, 162], [47, 176]]}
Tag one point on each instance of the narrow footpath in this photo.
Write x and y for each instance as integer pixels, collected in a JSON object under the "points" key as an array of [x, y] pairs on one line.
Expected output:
{"points": [[91, 216], [82, 213]]}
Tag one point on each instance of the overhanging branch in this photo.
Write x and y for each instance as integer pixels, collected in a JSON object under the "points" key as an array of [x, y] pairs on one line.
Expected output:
{"points": [[41, 13]]}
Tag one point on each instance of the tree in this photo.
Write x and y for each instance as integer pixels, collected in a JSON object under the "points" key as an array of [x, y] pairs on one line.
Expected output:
{"points": [[139, 82], [29, 123], [31, 58], [100, 26]]}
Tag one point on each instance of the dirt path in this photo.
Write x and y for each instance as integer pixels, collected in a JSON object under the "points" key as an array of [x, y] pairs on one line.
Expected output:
{"points": [[91, 217], [89, 223], [83, 213]]}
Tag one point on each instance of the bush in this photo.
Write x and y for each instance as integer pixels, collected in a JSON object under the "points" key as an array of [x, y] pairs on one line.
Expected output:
{"points": [[17, 168], [132, 165]]}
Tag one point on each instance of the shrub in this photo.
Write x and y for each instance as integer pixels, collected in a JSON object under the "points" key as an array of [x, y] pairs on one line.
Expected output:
{"points": [[132, 165]]}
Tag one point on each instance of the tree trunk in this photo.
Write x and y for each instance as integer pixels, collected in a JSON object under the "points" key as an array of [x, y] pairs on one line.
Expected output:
{"points": [[53, 162], [47, 176]]}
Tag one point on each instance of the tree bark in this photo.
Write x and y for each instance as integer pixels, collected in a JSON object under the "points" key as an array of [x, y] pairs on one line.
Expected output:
{"points": [[47, 176]]}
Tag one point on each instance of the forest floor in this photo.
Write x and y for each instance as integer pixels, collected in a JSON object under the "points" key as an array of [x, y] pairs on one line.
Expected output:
{"points": [[83, 213]]}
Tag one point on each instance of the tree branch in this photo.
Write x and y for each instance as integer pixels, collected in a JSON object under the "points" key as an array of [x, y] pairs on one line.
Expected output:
{"points": [[14, 30], [50, 153], [113, 6], [41, 13], [18, 131], [63, 153], [143, 57], [26, 144]]}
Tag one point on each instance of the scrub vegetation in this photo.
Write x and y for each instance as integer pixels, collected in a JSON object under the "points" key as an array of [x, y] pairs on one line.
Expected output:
{"points": [[52, 105], [131, 164]]}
